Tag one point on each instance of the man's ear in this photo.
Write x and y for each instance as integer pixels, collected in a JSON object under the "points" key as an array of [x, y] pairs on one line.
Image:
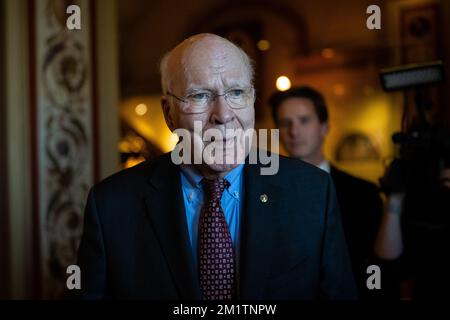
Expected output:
{"points": [[324, 128], [166, 107]]}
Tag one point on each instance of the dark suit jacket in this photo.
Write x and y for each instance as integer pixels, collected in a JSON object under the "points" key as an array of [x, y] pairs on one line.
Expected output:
{"points": [[361, 209], [135, 242]]}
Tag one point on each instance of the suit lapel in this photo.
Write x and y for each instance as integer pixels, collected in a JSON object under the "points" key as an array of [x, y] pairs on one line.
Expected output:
{"points": [[260, 211], [165, 210]]}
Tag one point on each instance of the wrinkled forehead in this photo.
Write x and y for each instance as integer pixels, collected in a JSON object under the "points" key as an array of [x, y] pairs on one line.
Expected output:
{"points": [[209, 65]]}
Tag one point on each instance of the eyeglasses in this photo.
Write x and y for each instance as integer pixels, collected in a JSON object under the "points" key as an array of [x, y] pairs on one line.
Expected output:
{"points": [[199, 101]]}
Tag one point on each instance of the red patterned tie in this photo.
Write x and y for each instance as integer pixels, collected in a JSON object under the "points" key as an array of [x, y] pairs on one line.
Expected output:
{"points": [[216, 257]]}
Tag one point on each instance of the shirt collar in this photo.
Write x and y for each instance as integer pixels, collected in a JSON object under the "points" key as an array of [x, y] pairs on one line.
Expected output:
{"points": [[193, 178], [324, 165], [233, 177]]}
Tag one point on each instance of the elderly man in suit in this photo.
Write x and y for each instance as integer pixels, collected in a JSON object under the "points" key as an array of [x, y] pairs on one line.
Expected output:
{"points": [[213, 230]]}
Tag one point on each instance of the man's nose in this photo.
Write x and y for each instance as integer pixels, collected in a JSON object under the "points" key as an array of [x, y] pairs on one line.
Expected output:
{"points": [[294, 129], [221, 111]]}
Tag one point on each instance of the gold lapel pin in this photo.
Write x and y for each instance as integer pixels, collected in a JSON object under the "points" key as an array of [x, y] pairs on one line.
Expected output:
{"points": [[264, 198]]}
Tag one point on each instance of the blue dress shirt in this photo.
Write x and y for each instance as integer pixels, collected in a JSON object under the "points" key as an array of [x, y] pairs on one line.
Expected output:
{"points": [[232, 200]]}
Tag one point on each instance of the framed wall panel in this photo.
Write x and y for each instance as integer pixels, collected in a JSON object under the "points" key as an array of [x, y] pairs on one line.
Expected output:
{"points": [[63, 108]]}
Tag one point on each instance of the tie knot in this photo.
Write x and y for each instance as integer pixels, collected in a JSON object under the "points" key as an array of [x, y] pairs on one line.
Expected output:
{"points": [[214, 188]]}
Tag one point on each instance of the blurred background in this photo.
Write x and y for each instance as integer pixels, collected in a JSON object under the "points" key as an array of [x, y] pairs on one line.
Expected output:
{"points": [[79, 105]]}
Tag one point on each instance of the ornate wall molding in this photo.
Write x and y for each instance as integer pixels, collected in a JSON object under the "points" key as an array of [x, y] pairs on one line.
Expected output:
{"points": [[63, 115]]}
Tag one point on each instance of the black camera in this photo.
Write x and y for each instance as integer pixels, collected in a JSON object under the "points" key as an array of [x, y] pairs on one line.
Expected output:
{"points": [[423, 148]]}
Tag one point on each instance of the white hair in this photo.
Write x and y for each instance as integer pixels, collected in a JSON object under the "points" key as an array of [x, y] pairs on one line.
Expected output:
{"points": [[163, 68], [164, 64]]}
